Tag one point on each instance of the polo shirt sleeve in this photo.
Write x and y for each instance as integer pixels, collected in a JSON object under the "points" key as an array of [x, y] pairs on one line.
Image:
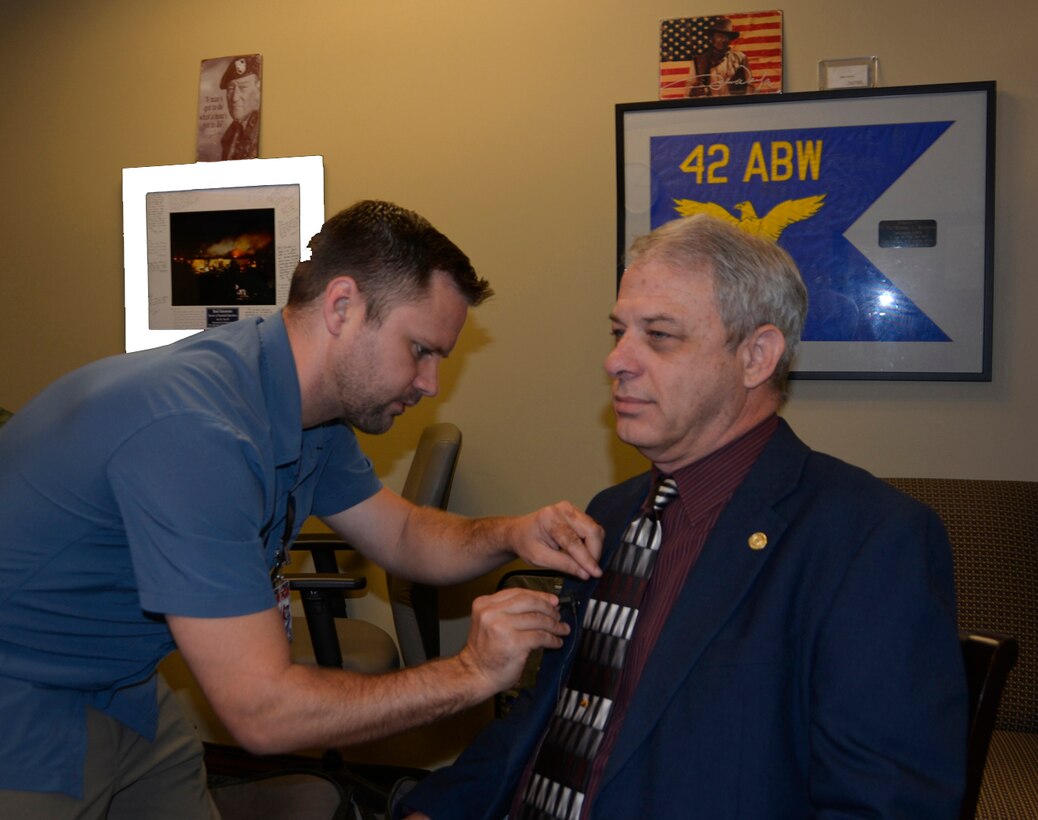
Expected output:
{"points": [[191, 491], [347, 477]]}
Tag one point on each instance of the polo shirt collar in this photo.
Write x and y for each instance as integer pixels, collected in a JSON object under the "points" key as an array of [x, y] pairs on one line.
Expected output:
{"points": [[281, 390]]}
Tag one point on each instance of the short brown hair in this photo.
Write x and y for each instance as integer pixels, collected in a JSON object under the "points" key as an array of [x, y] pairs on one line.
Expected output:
{"points": [[390, 252]]}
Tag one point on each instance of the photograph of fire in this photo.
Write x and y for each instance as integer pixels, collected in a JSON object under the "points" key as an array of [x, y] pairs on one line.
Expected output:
{"points": [[222, 257]]}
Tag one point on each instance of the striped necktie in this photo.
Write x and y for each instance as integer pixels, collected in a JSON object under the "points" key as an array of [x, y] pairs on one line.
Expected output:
{"points": [[560, 774]]}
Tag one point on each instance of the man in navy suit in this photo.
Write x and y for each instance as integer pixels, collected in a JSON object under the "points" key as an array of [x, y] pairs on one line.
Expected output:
{"points": [[795, 653]]}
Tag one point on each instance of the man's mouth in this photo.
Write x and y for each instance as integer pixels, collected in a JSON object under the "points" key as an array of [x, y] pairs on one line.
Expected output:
{"points": [[403, 404], [628, 404]]}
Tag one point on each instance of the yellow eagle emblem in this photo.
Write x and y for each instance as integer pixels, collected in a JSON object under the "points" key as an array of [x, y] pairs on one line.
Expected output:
{"points": [[770, 225]]}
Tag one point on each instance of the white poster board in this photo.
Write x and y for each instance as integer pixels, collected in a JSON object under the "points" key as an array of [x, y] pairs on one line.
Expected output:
{"points": [[214, 242]]}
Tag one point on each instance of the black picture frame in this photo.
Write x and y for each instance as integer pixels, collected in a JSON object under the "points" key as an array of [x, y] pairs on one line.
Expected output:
{"points": [[898, 254]]}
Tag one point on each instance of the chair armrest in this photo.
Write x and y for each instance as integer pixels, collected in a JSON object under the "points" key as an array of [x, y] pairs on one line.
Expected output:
{"points": [[322, 546], [307, 581], [322, 593], [988, 658]]}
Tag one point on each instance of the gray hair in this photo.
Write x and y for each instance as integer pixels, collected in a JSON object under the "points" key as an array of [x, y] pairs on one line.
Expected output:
{"points": [[755, 281]]}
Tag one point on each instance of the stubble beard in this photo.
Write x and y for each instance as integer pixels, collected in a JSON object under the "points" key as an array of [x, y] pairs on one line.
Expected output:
{"points": [[361, 407]]}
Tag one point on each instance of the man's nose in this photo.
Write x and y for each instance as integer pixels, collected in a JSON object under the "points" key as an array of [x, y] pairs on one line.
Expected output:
{"points": [[622, 359], [427, 382]]}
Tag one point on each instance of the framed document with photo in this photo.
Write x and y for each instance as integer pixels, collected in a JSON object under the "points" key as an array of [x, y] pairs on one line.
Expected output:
{"points": [[214, 242], [882, 196]]}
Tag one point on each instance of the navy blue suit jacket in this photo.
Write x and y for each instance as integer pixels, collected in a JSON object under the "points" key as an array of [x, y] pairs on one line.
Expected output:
{"points": [[820, 676]]}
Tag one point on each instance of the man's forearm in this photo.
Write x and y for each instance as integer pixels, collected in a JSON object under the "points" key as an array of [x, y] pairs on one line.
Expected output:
{"points": [[440, 548], [424, 543], [317, 707], [270, 704], [558, 537], [437, 547]]}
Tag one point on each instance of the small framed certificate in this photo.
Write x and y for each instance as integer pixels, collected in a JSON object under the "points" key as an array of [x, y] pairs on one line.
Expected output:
{"points": [[850, 72]]}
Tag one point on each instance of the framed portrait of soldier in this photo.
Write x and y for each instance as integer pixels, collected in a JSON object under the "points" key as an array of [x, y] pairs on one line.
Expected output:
{"points": [[230, 92]]}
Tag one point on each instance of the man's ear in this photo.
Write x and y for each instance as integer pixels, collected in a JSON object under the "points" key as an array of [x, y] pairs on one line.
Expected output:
{"points": [[341, 303], [761, 352]]}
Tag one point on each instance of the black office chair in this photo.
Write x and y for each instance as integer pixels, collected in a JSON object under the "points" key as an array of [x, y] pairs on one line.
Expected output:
{"points": [[334, 640], [988, 658]]}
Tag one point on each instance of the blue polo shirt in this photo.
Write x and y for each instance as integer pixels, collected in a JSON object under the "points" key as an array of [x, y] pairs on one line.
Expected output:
{"points": [[142, 485]]}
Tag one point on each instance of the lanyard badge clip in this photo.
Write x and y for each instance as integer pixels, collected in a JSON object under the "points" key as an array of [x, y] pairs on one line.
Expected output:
{"points": [[277, 580]]}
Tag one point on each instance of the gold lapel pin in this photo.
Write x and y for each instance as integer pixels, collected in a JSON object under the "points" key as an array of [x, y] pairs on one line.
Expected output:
{"points": [[758, 541]]}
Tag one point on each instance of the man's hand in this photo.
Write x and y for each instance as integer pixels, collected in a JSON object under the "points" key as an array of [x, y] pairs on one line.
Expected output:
{"points": [[505, 628], [559, 537]]}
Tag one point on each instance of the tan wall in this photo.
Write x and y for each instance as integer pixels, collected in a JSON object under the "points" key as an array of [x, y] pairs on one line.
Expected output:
{"points": [[495, 120]]}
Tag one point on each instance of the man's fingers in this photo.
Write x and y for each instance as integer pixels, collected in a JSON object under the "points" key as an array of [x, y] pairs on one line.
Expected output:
{"points": [[515, 600], [587, 530], [583, 554], [576, 537]]}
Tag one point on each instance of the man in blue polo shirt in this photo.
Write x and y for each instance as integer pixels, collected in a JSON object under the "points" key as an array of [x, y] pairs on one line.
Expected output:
{"points": [[146, 499]]}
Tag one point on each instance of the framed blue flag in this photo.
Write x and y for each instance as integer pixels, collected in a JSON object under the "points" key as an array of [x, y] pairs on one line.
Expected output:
{"points": [[882, 196]]}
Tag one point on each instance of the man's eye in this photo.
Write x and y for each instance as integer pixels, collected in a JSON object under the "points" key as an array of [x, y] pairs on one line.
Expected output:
{"points": [[617, 333], [658, 335]]}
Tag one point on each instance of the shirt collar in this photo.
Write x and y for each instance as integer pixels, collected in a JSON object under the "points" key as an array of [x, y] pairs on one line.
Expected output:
{"points": [[711, 480]]}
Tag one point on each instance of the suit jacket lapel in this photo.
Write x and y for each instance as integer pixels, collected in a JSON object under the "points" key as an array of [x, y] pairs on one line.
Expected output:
{"points": [[716, 587]]}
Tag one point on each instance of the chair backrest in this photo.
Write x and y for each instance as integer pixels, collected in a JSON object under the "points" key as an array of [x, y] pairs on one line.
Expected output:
{"points": [[993, 529], [988, 658], [416, 606], [429, 481]]}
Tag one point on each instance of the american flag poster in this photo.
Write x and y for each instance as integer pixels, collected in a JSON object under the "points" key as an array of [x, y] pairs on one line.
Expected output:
{"points": [[721, 55]]}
